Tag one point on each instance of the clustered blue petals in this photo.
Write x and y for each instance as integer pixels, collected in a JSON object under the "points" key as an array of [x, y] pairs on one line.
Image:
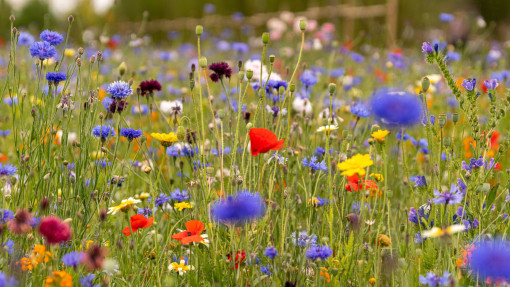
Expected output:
{"points": [[130, 133], [7, 169], [103, 132], [56, 77], [52, 37], [491, 258], [394, 108], [238, 209], [119, 90], [42, 50], [319, 252]]}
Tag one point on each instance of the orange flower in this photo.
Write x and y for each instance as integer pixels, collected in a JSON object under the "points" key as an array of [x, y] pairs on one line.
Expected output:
{"points": [[192, 232], [138, 221], [355, 184], [324, 273], [59, 278], [467, 142]]}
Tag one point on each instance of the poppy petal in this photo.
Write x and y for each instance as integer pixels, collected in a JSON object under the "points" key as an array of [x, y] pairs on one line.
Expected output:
{"points": [[195, 226], [179, 236], [148, 223], [193, 238], [262, 140]]}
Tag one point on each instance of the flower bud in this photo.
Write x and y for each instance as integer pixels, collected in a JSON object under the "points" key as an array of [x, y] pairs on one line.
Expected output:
{"points": [[203, 62], [271, 58], [249, 126], [122, 69], [292, 88], [241, 76], [455, 117], [281, 90], [181, 133], [199, 30], [265, 38], [81, 51], [92, 59], [302, 25], [70, 19], [249, 74], [332, 88], [12, 18], [425, 84]]}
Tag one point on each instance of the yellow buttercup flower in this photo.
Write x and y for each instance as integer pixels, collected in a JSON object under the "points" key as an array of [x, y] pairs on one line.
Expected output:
{"points": [[70, 52], [182, 205], [377, 176], [59, 278], [355, 165], [438, 232], [165, 139], [180, 267], [379, 135], [123, 204]]}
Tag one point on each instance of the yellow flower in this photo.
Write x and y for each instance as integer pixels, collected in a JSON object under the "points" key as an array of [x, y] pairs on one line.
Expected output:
{"points": [[98, 155], [70, 52], [379, 135], [180, 267], [123, 204], [144, 195], [438, 232], [371, 281], [165, 139], [383, 240], [377, 176], [182, 205], [355, 165], [48, 62], [328, 128], [59, 278]]}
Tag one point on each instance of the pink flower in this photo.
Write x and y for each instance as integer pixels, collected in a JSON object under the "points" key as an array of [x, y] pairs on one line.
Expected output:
{"points": [[54, 230]]}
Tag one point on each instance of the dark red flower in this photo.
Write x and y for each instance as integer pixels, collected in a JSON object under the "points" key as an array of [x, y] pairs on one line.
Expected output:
{"points": [[147, 88], [54, 230], [220, 70], [21, 222]]}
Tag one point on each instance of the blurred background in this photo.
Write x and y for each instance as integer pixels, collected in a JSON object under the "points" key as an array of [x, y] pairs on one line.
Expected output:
{"points": [[410, 18]]}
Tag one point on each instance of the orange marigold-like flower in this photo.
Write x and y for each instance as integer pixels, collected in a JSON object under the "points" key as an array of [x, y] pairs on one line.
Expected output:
{"points": [[60, 279]]}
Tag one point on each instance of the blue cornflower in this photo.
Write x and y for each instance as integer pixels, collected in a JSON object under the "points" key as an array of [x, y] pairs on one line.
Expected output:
{"points": [[238, 209], [130, 134], [56, 77], [107, 101], [416, 216], [265, 269], [173, 151], [6, 281], [146, 211], [449, 197], [319, 151], [7, 169], [226, 150], [335, 73], [426, 47], [135, 110], [42, 50], [395, 108], [241, 48], [161, 199], [88, 281], [179, 195], [358, 58], [6, 215], [469, 84], [445, 17], [418, 238], [73, 259], [119, 90], [360, 110], [52, 37], [491, 258], [314, 165], [419, 180], [9, 247], [432, 279], [308, 78], [491, 84], [319, 252], [103, 132], [302, 239], [103, 163], [356, 207], [452, 56], [271, 252], [25, 39], [5, 133]]}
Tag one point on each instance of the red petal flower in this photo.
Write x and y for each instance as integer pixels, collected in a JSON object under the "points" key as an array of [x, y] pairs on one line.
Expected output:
{"points": [[138, 221], [263, 140]]}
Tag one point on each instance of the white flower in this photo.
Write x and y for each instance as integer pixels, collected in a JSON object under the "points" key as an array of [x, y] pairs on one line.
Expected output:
{"points": [[171, 107], [327, 128], [302, 105], [438, 232]]}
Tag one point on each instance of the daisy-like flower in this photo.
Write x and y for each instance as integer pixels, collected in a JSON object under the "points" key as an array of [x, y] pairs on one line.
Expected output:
{"points": [[165, 139], [182, 205], [125, 203], [181, 267], [438, 232], [327, 128], [355, 165], [380, 135]]}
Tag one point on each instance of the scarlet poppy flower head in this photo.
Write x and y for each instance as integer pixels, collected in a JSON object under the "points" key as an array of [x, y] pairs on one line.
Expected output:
{"points": [[263, 140], [138, 221], [192, 233]]}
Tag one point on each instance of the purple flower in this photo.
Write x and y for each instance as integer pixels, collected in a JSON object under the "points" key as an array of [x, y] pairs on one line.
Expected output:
{"points": [[395, 108], [56, 77], [179, 195], [445, 17], [161, 199], [6, 281], [314, 165], [432, 279], [302, 239], [319, 252], [88, 281], [271, 252], [238, 209], [426, 47], [103, 132], [25, 39], [469, 84], [491, 258], [360, 110], [130, 134], [42, 50], [7, 169], [119, 90], [308, 78], [220, 70], [72, 259], [491, 84], [449, 197], [52, 37]]}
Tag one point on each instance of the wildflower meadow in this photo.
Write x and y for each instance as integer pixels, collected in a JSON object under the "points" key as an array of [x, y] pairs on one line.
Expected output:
{"points": [[287, 157]]}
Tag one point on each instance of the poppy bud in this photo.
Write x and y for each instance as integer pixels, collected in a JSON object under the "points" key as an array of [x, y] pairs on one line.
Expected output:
{"points": [[292, 88], [249, 74], [425, 84], [203, 62], [181, 133], [241, 76], [265, 38], [302, 25], [271, 58], [70, 19], [455, 117], [199, 30]]}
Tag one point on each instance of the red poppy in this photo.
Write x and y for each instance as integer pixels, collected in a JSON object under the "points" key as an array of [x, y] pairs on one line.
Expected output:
{"points": [[240, 256], [354, 184], [263, 140], [192, 232], [138, 221]]}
